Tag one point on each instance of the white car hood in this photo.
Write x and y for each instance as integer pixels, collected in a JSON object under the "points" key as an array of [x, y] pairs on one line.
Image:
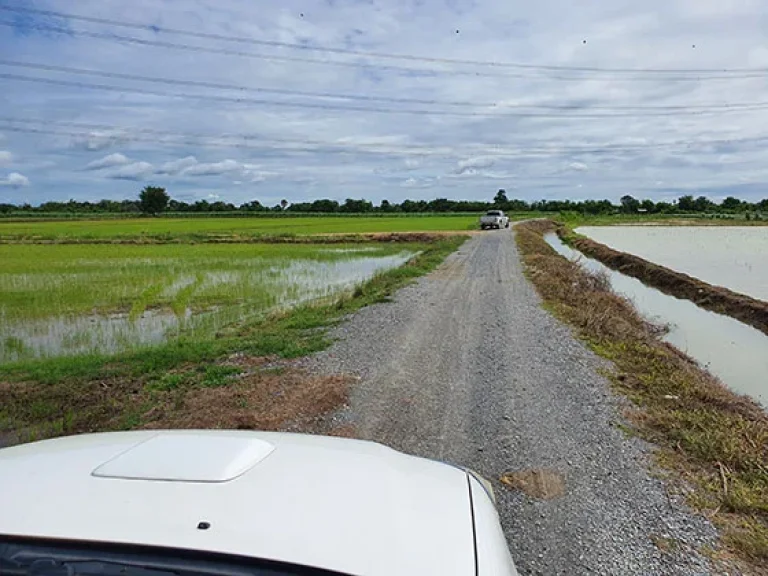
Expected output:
{"points": [[350, 506]]}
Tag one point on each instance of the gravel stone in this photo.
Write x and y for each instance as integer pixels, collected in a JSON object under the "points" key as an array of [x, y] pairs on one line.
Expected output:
{"points": [[467, 357]]}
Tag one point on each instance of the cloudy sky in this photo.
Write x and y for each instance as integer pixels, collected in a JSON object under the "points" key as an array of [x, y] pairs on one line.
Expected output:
{"points": [[301, 99]]}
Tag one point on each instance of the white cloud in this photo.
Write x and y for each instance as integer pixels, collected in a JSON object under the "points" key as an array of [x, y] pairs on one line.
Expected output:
{"points": [[578, 166], [98, 140], [108, 162], [15, 180], [461, 137], [134, 171], [178, 166], [5, 157], [213, 169], [472, 164], [427, 182]]}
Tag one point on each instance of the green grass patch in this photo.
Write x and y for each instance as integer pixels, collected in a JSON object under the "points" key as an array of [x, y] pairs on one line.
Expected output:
{"points": [[207, 228], [215, 376]]}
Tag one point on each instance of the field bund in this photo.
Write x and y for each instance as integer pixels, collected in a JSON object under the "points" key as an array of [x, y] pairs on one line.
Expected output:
{"points": [[717, 299]]}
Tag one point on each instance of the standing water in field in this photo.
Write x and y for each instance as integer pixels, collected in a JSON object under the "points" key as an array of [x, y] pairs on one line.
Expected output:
{"points": [[99, 299], [734, 352], [735, 257]]}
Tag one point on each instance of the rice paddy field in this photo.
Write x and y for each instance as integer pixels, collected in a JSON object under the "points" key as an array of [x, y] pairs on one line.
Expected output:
{"points": [[105, 288], [71, 299], [192, 228]]}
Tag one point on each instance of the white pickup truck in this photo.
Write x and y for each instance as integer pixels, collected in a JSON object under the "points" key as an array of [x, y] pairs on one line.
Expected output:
{"points": [[494, 219]]}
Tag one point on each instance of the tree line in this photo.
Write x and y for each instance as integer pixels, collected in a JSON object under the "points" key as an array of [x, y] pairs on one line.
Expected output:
{"points": [[154, 200]]}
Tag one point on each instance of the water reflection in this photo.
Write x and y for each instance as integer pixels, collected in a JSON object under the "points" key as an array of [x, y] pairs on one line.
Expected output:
{"points": [[282, 285], [734, 352], [730, 256]]}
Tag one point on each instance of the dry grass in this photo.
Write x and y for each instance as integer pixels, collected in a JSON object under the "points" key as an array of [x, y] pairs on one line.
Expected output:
{"points": [[264, 400], [713, 438], [246, 395], [537, 483]]}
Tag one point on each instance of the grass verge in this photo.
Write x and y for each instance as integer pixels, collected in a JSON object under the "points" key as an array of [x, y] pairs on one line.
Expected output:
{"points": [[712, 438], [228, 381]]}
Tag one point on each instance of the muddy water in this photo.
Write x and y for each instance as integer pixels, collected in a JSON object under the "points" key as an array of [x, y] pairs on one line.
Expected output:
{"points": [[732, 351], [284, 285], [730, 256]]}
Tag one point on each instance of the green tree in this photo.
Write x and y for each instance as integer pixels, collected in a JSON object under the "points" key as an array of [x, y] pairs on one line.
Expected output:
{"points": [[702, 204], [386, 206], [686, 203], [324, 205], [648, 205], [665, 207], [414, 206], [440, 205], [253, 206], [153, 200], [731, 203], [352, 206], [518, 206], [629, 204], [501, 199]]}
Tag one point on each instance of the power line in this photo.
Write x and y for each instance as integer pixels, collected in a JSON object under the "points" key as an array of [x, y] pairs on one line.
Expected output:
{"points": [[78, 129], [378, 110], [173, 140], [228, 52], [180, 141], [244, 136], [398, 69], [385, 55], [367, 98], [239, 88]]}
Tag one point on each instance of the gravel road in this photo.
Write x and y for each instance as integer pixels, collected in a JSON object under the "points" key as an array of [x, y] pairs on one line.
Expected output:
{"points": [[465, 366]]}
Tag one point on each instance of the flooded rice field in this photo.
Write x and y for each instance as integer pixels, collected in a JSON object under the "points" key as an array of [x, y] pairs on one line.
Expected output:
{"points": [[68, 300], [734, 352], [730, 256]]}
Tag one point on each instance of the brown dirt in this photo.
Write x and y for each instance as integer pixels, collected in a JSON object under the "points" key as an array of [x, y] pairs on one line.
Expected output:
{"points": [[714, 298], [537, 483], [258, 398], [263, 401]]}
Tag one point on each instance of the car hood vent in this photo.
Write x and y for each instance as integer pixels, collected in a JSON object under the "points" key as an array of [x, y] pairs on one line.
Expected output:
{"points": [[187, 457]]}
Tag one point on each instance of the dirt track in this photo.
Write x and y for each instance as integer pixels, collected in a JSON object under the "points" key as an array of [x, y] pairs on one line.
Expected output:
{"points": [[465, 366]]}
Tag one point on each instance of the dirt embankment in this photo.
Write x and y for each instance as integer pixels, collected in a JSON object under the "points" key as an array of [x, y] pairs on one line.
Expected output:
{"points": [[714, 298], [713, 440]]}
